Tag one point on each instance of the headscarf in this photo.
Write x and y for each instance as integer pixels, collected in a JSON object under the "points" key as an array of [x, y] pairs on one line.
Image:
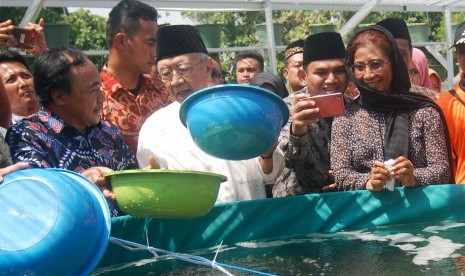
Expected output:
{"points": [[432, 73], [278, 85], [397, 103], [421, 63]]}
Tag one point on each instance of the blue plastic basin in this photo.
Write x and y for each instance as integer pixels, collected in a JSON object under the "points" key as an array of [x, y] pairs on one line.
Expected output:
{"points": [[52, 222], [234, 121]]}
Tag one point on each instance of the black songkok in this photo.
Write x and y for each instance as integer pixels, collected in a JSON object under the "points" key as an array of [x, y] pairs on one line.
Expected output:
{"points": [[397, 27], [459, 34], [178, 40], [322, 46], [294, 48]]}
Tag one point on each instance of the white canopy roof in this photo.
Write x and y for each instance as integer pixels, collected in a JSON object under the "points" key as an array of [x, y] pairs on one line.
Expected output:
{"points": [[238, 5]]}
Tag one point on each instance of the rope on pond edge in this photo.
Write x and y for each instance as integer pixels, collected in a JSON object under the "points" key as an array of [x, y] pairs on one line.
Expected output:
{"points": [[161, 254]]}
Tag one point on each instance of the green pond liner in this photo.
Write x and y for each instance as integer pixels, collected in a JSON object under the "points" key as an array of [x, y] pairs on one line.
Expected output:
{"points": [[284, 217]]}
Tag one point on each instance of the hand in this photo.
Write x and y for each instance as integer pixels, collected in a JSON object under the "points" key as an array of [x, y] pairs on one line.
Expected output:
{"points": [[303, 113], [153, 163], [271, 150], [379, 175], [40, 45], [6, 39], [16, 167], [96, 175], [402, 170], [329, 188], [267, 164]]}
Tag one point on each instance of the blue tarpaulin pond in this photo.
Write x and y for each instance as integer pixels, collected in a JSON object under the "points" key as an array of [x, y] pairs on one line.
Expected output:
{"points": [[286, 217]]}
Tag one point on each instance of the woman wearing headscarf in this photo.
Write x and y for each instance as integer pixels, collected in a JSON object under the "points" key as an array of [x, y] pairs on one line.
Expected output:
{"points": [[387, 123], [436, 81], [418, 70], [271, 82]]}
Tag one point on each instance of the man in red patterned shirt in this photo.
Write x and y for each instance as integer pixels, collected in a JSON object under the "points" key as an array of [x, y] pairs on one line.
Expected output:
{"points": [[131, 97]]}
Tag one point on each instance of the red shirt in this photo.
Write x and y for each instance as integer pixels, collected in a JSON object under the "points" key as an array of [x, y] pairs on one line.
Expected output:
{"points": [[127, 111]]}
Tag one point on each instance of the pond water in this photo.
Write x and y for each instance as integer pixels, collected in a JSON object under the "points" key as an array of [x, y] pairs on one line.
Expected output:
{"points": [[413, 249]]}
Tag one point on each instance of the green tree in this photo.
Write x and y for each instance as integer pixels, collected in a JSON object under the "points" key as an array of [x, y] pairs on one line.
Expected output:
{"points": [[88, 32], [17, 14], [239, 30]]}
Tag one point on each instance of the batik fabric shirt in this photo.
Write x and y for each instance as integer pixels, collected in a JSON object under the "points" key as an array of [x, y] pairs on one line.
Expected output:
{"points": [[44, 141], [127, 111], [307, 157]]}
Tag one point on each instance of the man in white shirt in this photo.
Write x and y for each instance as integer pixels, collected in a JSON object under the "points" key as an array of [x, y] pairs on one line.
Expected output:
{"points": [[184, 67]]}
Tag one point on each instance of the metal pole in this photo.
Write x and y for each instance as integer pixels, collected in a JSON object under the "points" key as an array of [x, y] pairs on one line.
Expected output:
{"points": [[358, 17], [32, 12], [271, 45], [450, 57]]}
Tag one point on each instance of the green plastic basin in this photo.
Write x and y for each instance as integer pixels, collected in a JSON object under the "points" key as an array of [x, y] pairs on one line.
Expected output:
{"points": [[165, 193]]}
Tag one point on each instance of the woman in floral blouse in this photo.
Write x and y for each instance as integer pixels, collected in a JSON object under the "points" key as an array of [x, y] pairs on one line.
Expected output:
{"points": [[386, 122]]}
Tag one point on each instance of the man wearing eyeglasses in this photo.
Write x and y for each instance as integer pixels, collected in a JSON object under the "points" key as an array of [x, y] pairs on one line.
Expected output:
{"points": [[184, 67], [305, 139], [131, 97]]}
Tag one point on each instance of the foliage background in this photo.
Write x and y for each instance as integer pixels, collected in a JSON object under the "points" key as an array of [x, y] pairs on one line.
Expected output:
{"points": [[88, 30]]}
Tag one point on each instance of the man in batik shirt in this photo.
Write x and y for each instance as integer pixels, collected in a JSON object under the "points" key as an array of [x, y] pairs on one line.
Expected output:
{"points": [[131, 97], [67, 131], [304, 139]]}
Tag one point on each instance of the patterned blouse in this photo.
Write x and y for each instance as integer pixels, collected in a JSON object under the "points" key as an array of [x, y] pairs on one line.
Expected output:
{"points": [[424, 91], [43, 140], [128, 112], [307, 157], [358, 139]]}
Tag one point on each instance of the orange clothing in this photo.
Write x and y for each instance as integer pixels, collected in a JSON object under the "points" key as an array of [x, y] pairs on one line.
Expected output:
{"points": [[454, 112], [128, 112]]}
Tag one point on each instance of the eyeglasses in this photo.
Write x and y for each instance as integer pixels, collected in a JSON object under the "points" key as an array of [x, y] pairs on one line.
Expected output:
{"points": [[183, 70], [375, 67]]}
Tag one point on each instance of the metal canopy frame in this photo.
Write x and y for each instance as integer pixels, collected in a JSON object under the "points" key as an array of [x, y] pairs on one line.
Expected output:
{"points": [[362, 8]]}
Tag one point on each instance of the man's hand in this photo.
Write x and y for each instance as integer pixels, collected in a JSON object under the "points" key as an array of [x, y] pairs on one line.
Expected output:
{"points": [[303, 113], [153, 163], [6, 39], [96, 175], [40, 45], [16, 167]]}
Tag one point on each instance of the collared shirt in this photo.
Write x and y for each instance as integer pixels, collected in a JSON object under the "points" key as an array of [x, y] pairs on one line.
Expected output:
{"points": [[127, 111], [43, 140], [16, 118]]}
